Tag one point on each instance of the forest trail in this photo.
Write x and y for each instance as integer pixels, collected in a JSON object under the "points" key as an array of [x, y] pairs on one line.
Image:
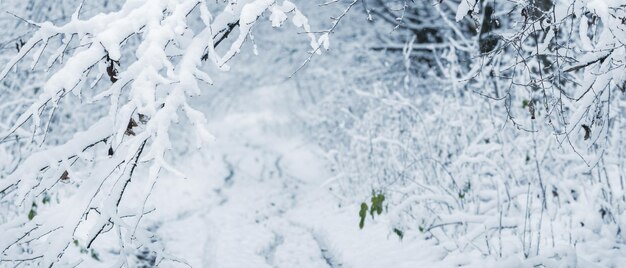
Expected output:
{"points": [[258, 200]]}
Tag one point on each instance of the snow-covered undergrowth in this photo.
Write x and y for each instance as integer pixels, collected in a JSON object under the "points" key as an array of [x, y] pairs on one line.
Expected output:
{"points": [[500, 160], [459, 174]]}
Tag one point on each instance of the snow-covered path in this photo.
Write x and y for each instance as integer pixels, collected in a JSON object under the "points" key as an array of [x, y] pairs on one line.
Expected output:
{"points": [[258, 200]]}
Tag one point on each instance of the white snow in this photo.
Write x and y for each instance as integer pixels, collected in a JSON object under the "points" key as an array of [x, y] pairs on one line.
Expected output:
{"points": [[254, 198]]}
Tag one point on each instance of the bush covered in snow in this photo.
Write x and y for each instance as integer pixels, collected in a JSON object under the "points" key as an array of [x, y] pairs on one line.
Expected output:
{"points": [[501, 136]]}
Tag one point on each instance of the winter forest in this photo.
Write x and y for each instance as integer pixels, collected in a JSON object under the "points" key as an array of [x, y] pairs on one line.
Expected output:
{"points": [[312, 133]]}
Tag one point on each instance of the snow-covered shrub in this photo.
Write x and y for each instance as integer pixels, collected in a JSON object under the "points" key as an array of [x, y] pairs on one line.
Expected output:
{"points": [[501, 136]]}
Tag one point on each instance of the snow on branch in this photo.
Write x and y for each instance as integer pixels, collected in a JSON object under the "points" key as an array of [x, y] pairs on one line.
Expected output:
{"points": [[149, 86]]}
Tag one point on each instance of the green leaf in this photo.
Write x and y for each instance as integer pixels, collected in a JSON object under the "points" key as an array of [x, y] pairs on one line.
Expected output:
{"points": [[377, 204], [375, 208], [399, 232], [94, 255], [362, 215], [33, 211], [31, 214], [524, 103]]}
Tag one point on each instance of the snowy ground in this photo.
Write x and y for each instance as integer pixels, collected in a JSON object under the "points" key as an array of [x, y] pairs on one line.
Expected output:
{"points": [[256, 200]]}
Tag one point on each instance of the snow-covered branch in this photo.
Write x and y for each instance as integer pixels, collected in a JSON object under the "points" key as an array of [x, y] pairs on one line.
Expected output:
{"points": [[143, 60]]}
